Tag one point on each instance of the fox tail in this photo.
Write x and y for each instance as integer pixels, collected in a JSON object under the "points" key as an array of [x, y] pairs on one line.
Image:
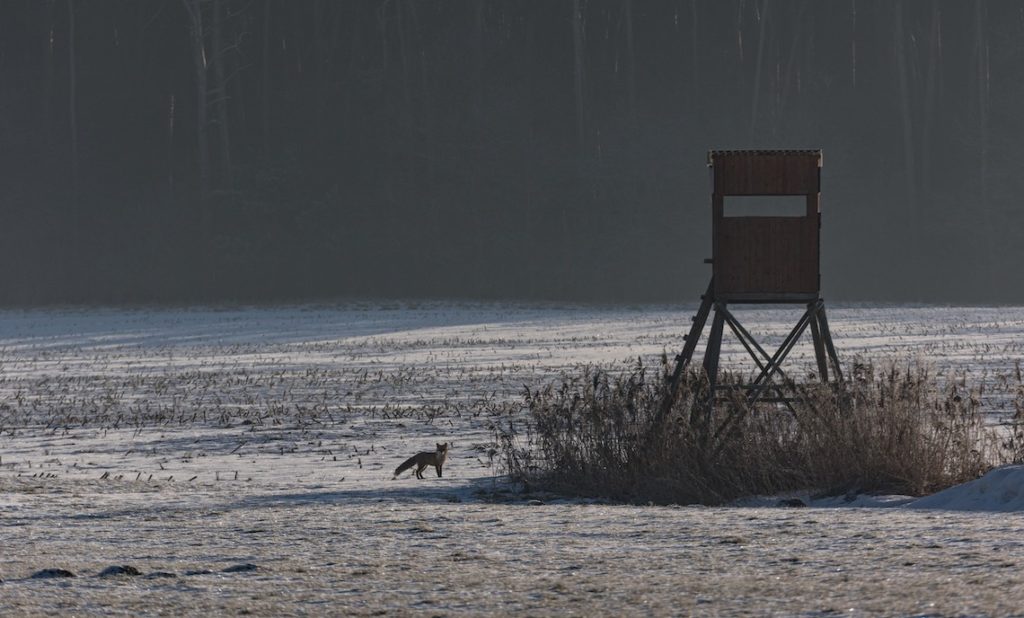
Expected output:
{"points": [[406, 465]]}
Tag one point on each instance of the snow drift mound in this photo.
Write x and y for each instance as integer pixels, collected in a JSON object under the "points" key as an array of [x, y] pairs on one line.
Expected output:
{"points": [[1001, 490]]}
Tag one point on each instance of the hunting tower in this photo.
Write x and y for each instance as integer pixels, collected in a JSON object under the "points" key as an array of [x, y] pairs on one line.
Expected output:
{"points": [[766, 218]]}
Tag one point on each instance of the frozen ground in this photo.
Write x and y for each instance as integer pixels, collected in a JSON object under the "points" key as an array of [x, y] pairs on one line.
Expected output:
{"points": [[185, 442]]}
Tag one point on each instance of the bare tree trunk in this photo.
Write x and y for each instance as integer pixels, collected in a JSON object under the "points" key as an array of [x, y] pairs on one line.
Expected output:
{"points": [[194, 8], [403, 50], [221, 90], [75, 285], [170, 145], [694, 59], [763, 18], [527, 156], [478, 269], [577, 46], [266, 81], [195, 12], [47, 102], [778, 84], [739, 31], [787, 76], [409, 183], [426, 142], [355, 47], [853, 44], [73, 104], [929, 96], [478, 66], [982, 80], [425, 133], [320, 62], [910, 164], [631, 62]]}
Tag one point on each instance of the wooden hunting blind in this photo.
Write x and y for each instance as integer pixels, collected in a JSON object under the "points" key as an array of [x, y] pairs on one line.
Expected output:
{"points": [[766, 217], [763, 253]]}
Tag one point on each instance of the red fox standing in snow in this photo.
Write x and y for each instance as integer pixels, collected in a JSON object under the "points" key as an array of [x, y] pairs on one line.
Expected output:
{"points": [[424, 459]]}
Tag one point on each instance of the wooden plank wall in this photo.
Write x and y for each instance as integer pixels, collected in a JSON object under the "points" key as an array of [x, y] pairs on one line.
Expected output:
{"points": [[766, 258], [759, 173]]}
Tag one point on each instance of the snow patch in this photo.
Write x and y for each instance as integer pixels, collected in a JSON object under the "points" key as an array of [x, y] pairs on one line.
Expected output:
{"points": [[1001, 490]]}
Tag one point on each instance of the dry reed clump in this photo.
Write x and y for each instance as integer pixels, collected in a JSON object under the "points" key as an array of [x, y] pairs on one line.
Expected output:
{"points": [[893, 430], [1014, 441]]}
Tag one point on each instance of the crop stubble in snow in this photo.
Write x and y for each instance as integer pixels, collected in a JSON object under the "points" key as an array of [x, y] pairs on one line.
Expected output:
{"points": [[409, 550], [207, 439]]}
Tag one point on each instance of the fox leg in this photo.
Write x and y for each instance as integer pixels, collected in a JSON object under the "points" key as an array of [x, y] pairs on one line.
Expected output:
{"points": [[438, 466], [419, 470]]}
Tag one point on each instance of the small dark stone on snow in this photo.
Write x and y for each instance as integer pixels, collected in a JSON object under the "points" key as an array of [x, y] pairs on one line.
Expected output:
{"points": [[792, 502], [240, 568], [115, 570], [52, 573], [199, 572]]}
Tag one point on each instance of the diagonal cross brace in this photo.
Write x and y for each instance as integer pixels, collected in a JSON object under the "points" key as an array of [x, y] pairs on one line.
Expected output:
{"points": [[751, 344], [763, 380], [774, 364]]}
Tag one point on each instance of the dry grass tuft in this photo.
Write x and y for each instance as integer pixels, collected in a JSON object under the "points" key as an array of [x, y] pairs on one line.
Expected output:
{"points": [[897, 429]]}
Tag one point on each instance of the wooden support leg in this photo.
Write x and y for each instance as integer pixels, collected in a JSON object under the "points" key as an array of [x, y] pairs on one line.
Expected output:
{"points": [[683, 360], [711, 356], [819, 344], [827, 336], [714, 344]]}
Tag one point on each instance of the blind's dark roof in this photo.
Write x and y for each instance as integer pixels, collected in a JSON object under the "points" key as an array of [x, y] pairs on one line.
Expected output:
{"points": [[762, 153]]}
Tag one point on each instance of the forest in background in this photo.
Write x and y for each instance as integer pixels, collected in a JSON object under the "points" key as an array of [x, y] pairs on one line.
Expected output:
{"points": [[256, 150]]}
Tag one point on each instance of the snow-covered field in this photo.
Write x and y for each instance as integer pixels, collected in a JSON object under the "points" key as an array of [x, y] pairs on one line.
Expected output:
{"points": [[262, 441]]}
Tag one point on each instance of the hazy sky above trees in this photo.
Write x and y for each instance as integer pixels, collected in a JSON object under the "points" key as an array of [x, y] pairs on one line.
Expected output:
{"points": [[239, 150]]}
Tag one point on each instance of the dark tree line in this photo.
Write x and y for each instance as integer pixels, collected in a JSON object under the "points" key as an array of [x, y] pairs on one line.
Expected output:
{"points": [[183, 150]]}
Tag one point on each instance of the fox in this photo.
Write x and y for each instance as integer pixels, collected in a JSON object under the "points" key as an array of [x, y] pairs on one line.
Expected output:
{"points": [[424, 459]]}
